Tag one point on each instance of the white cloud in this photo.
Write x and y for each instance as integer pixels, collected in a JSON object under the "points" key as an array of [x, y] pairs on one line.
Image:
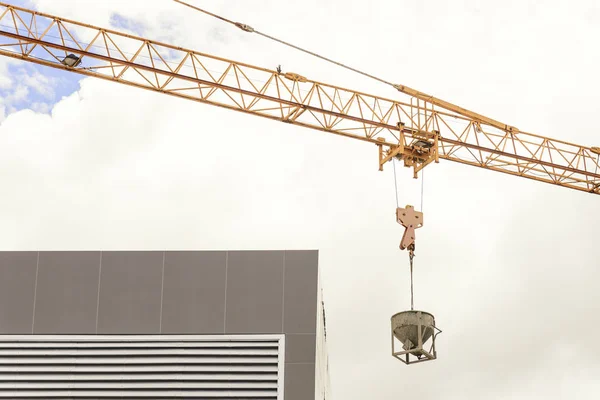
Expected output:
{"points": [[5, 78], [507, 265], [41, 84], [18, 94], [20, 84], [40, 107]]}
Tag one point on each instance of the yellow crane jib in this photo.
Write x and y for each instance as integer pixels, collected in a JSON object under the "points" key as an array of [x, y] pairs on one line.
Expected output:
{"points": [[413, 126]]}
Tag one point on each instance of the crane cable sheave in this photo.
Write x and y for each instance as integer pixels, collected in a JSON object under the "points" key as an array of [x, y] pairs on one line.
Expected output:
{"points": [[416, 148]]}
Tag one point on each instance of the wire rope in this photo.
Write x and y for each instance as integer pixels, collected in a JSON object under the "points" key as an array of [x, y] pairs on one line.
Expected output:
{"points": [[248, 28], [422, 186], [395, 183], [412, 301]]}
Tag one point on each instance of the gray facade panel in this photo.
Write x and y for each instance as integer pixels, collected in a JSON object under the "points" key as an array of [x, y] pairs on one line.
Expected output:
{"points": [[299, 381], [301, 281], [194, 292], [300, 348], [254, 292], [17, 288], [67, 293], [130, 293], [239, 292]]}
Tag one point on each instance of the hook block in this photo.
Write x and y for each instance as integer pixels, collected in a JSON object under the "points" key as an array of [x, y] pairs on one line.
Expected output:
{"points": [[410, 220]]}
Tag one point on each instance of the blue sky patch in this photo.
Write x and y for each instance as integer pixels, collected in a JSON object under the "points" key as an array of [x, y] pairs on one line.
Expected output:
{"points": [[36, 87], [39, 88], [33, 86], [121, 23]]}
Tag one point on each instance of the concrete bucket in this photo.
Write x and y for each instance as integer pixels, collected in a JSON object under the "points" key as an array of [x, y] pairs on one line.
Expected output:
{"points": [[407, 328]]}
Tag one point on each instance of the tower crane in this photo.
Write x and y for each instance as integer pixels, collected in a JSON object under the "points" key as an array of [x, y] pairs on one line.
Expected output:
{"points": [[416, 128]]}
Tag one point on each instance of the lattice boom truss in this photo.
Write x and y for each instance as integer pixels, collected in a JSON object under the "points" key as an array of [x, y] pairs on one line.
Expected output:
{"points": [[464, 137]]}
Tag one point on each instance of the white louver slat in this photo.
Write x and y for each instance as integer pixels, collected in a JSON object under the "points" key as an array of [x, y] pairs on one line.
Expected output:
{"points": [[142, 367]]}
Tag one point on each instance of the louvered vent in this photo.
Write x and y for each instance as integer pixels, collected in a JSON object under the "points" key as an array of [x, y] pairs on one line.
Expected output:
{"points": [[141, 367]]}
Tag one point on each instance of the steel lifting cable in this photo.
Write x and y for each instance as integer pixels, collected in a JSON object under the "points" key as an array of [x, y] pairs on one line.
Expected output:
{"points": [[412, 301], [411, 253], [422, 186], [597, 163], [208, 13], [248, 28], [395, 183], [411, 249]]}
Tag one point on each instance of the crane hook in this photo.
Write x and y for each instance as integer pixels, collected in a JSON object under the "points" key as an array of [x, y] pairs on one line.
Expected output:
{"points": [[410, 220]]}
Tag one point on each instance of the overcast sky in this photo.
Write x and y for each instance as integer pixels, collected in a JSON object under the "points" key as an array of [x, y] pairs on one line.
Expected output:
{"points": [[509, 267]]}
